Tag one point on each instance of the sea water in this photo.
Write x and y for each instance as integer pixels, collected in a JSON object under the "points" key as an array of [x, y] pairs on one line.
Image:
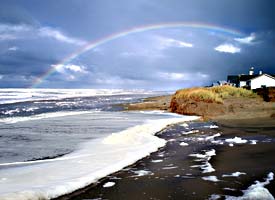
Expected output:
{"points": [[53, 142]]}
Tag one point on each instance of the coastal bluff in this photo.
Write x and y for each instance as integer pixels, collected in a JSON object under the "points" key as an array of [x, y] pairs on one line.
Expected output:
{"points": [[221, 102], [211, 103]]}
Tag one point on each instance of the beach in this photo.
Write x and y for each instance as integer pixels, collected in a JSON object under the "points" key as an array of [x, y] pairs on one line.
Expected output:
{"points": [[151, 153], [227, 157], [198, 163]]}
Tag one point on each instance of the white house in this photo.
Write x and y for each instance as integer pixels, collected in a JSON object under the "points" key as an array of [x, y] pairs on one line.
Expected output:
{"points": [[251, 80], [263, 80]]}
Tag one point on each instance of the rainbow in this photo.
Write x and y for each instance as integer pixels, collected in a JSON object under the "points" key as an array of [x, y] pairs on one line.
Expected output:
{"points": [[134, 30]]}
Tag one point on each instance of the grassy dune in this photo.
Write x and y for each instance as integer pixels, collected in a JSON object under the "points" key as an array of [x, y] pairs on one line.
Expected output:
{"points": [[213, 94]]}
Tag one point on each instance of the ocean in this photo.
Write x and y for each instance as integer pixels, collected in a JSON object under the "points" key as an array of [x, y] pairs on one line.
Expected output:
{"points": [[55, 141]]}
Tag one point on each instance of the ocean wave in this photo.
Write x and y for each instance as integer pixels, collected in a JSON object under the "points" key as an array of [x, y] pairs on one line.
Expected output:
{"points": [[12, 120], [96, 159], [11, 96]]}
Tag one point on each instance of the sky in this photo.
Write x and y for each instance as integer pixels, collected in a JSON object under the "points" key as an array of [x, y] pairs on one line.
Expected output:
{"points": [[109, 44]]}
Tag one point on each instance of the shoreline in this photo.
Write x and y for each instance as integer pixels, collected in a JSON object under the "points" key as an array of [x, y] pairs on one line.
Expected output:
{"points": [[225, 123], [238, 109], [170, 172]]}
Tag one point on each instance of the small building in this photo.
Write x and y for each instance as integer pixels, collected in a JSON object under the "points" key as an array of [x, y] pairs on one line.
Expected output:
{"points": [[252, 80], [220, 83], [263, 80]]}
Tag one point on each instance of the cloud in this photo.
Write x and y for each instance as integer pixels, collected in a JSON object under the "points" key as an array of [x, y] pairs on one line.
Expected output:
{"points": [[19, 31], [171, 75], [10, 32], [246, 40], [170, 42], [182, 76], [228, 48], [56, 34], [70, 68], [7, 37], [14, 48]]}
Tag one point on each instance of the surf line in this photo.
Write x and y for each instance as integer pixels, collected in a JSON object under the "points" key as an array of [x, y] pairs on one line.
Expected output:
{"points": [[139, 29]]}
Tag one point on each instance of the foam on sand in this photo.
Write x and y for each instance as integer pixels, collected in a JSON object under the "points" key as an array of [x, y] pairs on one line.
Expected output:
{"points": [[190, 132], [142, 173], [210, 178], [109, 184], [235, 174], [236, 140], [212, 137], [206, 167], [256, 191], [184, 144], [96, 159]]}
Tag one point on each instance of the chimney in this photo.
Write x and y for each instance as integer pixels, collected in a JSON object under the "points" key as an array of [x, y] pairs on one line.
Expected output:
{"points": [[260, 72], [251, 71]]}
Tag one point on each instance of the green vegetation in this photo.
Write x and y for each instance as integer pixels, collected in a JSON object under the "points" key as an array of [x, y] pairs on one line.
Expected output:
{"points": [[213, 94]]}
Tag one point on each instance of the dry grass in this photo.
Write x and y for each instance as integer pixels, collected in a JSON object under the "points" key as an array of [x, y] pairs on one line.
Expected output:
{"points": [[213, 94]]}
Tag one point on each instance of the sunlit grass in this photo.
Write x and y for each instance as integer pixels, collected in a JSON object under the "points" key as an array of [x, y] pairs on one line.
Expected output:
{"points": [[213, 94]]}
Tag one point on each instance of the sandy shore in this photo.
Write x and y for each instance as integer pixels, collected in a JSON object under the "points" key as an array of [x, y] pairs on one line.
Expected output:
{"points": [[173, 173], [151, 103]]}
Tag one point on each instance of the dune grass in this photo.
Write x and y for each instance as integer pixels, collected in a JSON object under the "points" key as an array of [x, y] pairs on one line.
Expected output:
{"points": [[213, 94]]}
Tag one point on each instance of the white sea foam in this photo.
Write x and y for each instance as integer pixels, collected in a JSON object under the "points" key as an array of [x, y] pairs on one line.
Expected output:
{"points": [[22, 95], [142, 173], [97, 158], [212, 137], [206, 167], [212, 126], [253, 141], [189, 132], [236, 140], [235, 174], [210, 178], [184, 125], [172, 167], [256, 191], [12, 120], [214, 197], [109, 184], [157, 161], [184, 144]]}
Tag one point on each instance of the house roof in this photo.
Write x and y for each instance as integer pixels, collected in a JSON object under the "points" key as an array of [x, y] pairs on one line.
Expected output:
{"points": [[245, 77], [263, 75], [237, 78]]}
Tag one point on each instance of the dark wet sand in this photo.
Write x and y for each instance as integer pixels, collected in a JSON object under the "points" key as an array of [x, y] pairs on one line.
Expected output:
{"points": [[174, 178]]}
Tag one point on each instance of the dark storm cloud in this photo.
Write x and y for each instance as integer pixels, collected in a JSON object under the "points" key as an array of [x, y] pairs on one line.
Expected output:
{"points": [[34, 36]]}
